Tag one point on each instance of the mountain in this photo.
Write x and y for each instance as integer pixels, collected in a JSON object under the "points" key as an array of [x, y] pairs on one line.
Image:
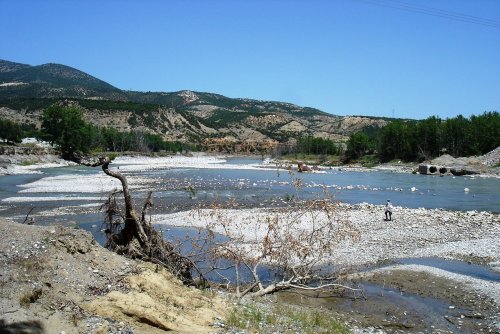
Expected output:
{"points": [[51, 80], [213, 119]]}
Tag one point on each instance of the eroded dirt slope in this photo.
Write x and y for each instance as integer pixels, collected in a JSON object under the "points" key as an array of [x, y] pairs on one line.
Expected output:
{"points": [[56, 280]]}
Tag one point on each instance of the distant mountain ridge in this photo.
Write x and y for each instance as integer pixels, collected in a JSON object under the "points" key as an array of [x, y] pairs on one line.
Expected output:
{"points": [[186, 115], [51, 80]]}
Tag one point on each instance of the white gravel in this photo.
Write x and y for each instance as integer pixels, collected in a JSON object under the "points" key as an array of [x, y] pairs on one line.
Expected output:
{"points": [[412, 233], [50, 199], [92, 183], [141, 163], [12, 164]]}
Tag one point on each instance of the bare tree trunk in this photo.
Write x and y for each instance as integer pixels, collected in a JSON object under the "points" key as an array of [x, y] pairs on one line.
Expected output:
{"points": [[137, 238], [133, 227]]}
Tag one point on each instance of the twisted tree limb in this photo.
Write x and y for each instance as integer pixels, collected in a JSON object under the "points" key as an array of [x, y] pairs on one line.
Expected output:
{"points": [[137, 238]]}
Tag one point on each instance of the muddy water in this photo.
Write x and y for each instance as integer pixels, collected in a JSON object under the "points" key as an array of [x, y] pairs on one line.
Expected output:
{"points": [[458, 267], [381, 308]]}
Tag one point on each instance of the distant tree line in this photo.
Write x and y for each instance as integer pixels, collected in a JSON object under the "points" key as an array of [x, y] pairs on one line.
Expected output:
{"points": [[407, 140], [13, 132], [66, 128], [316, 145], [429, 138]]}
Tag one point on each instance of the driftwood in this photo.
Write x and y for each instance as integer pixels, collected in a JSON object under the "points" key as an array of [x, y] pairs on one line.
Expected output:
{"points": [[302, 167], [32, 220], [135, 237]]}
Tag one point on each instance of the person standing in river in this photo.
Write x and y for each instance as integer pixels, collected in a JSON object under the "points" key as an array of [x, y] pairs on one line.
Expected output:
{"points": [[388, 210]]}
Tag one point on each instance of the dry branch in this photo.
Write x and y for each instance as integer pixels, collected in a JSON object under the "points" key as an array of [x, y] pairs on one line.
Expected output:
{"points": [[294, 240], [128, 235]]}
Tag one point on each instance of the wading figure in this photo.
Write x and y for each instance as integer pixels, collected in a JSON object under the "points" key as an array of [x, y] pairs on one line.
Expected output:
{"points": [[388, 210]]}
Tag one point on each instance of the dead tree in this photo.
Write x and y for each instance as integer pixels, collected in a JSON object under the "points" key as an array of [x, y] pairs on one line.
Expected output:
{"points": [[132, 235], [296, 240]]}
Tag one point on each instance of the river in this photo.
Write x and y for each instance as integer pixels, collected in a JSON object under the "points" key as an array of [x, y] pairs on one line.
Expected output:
{"points": [[242, 179]]}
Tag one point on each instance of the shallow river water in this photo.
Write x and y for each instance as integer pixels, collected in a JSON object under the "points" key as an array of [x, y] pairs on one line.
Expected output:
{"points": [[179, 188]]}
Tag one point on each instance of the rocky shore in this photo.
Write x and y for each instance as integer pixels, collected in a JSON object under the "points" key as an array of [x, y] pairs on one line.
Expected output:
{"points": [[28, 159], [466, 236]]}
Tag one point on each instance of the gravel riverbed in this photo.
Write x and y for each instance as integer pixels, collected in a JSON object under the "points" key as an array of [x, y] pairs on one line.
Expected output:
{"points": [[471, 236]]}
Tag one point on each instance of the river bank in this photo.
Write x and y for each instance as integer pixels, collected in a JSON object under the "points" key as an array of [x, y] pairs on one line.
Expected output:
{"points": [[468, 236], [22, 160], [59, 280], [29, 163]]}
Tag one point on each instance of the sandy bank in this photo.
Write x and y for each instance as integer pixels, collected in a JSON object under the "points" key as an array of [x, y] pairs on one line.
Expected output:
{"points": [[30, 164], [59, 280]]}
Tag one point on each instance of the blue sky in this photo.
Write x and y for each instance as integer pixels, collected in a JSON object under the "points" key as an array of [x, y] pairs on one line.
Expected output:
{"points": [[345, 57]]}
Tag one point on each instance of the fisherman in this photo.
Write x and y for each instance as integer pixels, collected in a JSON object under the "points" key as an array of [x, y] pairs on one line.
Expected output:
{"points": [[388, 210]]}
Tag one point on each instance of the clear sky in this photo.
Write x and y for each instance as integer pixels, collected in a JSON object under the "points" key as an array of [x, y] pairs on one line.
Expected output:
{"points": [[345, 57]]}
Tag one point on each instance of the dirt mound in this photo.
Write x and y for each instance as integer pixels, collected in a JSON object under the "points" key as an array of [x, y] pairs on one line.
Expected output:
{"points": [[58, 279], [161, 301], [448, 160], [484, 164], [491, 158]]}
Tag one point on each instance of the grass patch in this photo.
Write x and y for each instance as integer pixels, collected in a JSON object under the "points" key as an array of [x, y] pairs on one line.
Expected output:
{"points": [[284, 318], [29, 162], [369, 160], [313, 159], [250, 316], [30, 297]]}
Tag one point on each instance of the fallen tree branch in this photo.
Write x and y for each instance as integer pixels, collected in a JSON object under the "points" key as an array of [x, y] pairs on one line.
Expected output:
{"points": [[136, 237], [27, 215]]}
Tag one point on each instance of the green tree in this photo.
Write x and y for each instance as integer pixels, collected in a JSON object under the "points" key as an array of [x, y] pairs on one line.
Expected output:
{"points": [[397, 141], [10, 131], [428, 138], [65, 127], [358, 145], [455, 135], [316, 145], [484, 132]]}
